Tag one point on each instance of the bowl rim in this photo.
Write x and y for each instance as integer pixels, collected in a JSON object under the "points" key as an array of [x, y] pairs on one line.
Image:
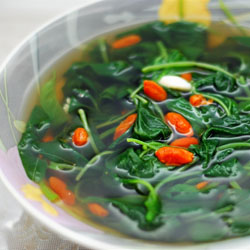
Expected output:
{"points": [[60, 230]]}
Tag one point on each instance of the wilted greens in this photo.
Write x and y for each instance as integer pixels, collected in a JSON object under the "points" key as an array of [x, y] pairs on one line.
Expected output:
{"points": [[140, 156]]}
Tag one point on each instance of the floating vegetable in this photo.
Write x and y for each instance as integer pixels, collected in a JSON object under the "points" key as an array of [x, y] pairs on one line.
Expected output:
{"points": [[175, 82]]}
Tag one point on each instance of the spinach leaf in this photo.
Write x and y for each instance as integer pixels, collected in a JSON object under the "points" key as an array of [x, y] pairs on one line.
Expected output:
{"points": [[182, 192], [205, 150], [97, 76], [50, 104], [220, 81], [189, 38], [149, 125], [34, 166], [145, 167], [137, 55], [244, 107], [227, 168], [209, 229]]}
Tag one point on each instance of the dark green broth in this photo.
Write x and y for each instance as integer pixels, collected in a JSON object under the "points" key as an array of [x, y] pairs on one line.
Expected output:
{"points": [[174, 211]]}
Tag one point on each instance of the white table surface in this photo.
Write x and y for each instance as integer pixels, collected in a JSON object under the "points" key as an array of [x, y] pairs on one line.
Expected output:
{"points": [[19, 18]]}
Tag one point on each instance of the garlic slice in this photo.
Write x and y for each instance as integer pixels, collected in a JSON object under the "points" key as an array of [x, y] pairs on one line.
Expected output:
{"points": [[175, 82]]}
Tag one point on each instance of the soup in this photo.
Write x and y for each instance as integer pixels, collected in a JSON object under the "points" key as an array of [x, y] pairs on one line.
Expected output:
{"points": [[151, 136]]}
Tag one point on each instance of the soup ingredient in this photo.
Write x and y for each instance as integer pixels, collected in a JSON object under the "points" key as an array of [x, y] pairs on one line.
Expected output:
{"points": [[187, 76], [198, 100], [97, 210], [52, 196], [124, 126], [126, 41], [166, 169], [184, 142], [57, 185], [174, 156], [80, 137], [202, 184], [179, 123], [175, 82], [48, 137], [68, 197], [60, 188], [154, 91]]}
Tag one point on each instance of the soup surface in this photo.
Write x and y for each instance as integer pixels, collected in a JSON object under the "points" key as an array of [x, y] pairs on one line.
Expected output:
{"points": [[150, 134]]}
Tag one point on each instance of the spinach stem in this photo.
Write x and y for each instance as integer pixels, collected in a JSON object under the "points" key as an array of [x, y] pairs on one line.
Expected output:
{"points": [[91, 162], [186, 64], [103, 50], [231, 18], [107, 133], [222, 104], [234, 145], [174, 177], [162, 49], [132, 95], [142, 182], [242, 98], [235, 185], [104, 124], [140, 98], [142, 143], [86, 126]]}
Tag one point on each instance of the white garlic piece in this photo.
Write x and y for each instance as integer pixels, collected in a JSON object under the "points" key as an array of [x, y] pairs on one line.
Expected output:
{"points": [[175, 82]]}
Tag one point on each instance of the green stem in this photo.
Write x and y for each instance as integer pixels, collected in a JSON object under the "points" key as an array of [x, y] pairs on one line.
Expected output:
{"points": [[173, 178], [142, 182], [102, 125], [222, 104], [142, 143], [86, 126], [234, 145], [103, 50], [132, 95], [162, 49], [140, 98], [186, 64], [107, 133], [91, 162], [235, 185], [243, 98], [230, 17]]}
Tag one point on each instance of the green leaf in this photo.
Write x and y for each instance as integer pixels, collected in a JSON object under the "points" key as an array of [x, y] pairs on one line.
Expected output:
{"points": [[182, 192], [149, 125], [227, 168], [220, 81], [145, 167], [50, 104], [189, 38]]}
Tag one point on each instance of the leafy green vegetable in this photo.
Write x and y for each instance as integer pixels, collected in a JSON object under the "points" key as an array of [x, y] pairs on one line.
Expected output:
{"points": [[143, 167], [227, 168], [189, 38], [149, 124], [50, 104], [219, 81]]}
